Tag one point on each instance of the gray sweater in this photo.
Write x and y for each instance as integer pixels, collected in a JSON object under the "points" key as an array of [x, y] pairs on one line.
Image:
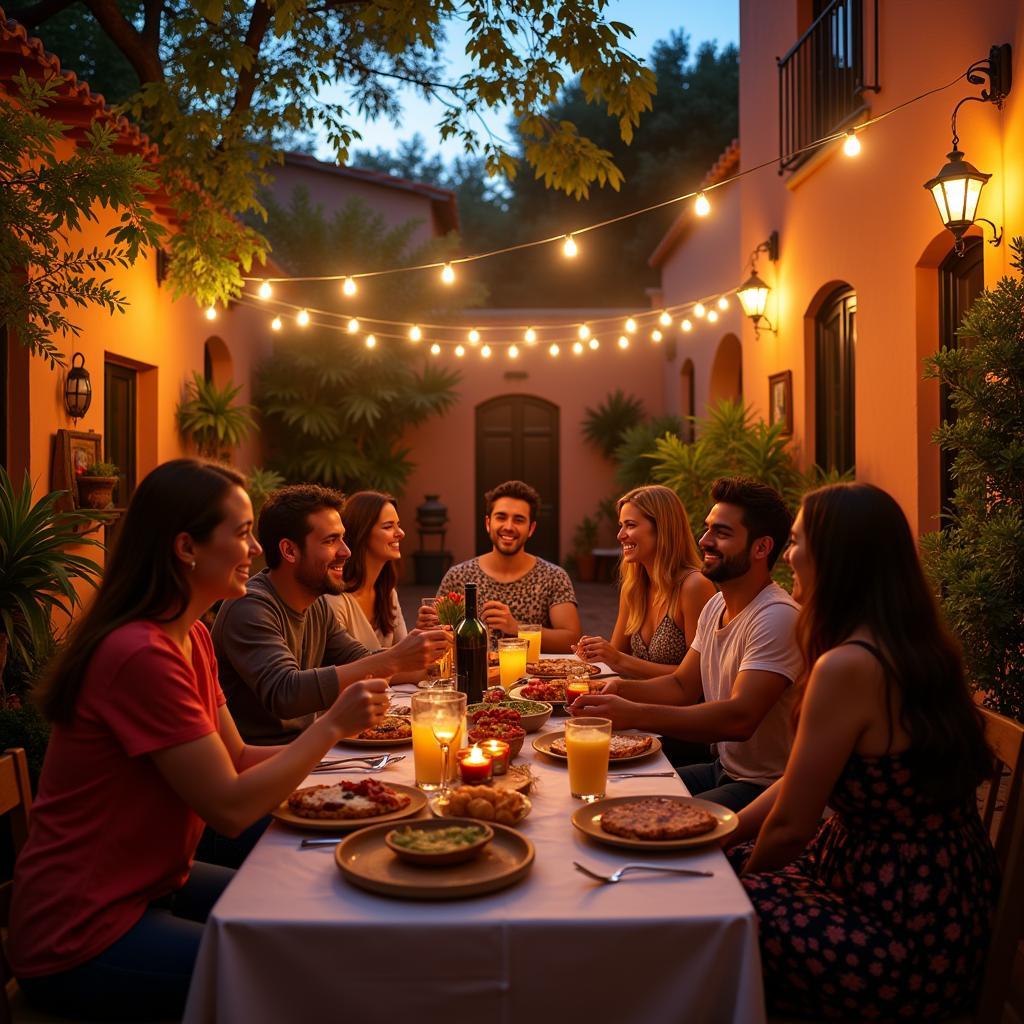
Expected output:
{"points": [[276, 665]]}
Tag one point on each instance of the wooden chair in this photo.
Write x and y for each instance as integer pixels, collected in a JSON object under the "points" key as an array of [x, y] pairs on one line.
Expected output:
{"points": [[15, 801]]}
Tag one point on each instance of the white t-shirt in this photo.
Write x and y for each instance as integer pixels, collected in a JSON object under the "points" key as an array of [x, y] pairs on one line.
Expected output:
{"points": [[760, 638], [351, 618]]}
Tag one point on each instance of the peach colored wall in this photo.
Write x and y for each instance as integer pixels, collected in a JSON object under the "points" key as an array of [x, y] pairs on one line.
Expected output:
{"points": [[443, 448], [869, 222]]}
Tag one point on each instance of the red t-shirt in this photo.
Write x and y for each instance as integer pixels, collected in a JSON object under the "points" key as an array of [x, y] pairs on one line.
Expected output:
{"points": [[108, 835]]}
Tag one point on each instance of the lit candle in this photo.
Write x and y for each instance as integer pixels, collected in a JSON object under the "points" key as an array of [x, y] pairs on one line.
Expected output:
{"points": [[474, 765], [498, 751]]}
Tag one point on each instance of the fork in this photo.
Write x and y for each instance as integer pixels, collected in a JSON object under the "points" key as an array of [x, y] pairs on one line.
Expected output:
{"points": [[367, 769], [641, 775], [331, 762], [616, 876]]}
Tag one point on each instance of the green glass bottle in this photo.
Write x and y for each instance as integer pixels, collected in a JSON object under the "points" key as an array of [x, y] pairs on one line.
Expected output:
{"points": [[471, 651]]}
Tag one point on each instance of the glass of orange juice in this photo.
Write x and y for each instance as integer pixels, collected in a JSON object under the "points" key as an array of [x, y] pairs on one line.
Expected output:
{"points": [[531, 632], [512, 660], [438, 724], [586, 745]]}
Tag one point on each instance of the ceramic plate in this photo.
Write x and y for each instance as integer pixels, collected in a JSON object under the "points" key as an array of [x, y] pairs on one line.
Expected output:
{"points": [[416, 804], [543, 745], [588, 820]]}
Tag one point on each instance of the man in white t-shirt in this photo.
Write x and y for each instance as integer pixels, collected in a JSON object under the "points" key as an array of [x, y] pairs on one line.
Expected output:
{"points": [[743, 658]]}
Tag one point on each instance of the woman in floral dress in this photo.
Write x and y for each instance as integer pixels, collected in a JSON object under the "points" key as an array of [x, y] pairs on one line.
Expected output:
{"points": [[882, 912]]}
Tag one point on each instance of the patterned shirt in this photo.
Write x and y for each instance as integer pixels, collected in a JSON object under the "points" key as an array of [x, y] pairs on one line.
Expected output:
{"points": [[529, 598]]}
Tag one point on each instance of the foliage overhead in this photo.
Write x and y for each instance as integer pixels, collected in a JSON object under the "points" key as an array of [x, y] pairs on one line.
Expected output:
{"points": [[44, 201], [209, 417], [978, 559], [222, 82]]}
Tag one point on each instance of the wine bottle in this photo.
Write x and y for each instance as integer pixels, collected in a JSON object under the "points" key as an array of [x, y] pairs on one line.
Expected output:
{"points": [[471, 651]]}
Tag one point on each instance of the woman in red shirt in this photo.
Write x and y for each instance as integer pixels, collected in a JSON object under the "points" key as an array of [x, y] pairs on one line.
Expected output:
{"points": [[108, 906]]}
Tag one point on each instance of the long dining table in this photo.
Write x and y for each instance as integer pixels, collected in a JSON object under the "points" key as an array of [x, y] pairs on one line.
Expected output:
{"points": [[291, 939]]}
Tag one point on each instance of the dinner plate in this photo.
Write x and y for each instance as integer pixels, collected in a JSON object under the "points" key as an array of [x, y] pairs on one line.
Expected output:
{"points": [[542, 744], [543, 672], [588, 820], [354, 741], [437, 809], [416, 804], [365, 861]]}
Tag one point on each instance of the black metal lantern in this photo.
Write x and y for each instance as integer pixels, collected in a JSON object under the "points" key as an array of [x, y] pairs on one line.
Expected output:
{"points": [[753, 293], [77, 388]]}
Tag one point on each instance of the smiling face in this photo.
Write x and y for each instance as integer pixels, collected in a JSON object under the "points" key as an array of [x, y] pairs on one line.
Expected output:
{"points": [[324, 552], [509, 526], [384, 540], [798, 555], [637, 535], [725, 544], [223, 561]]}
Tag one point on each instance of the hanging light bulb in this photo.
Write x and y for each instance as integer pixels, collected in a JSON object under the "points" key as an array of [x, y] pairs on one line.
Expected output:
{"points": [[275, 324], [569, 248], [486, 351], [593, 344], [460, 351], [583, 332], [630, 326], [302, 318], [701, 206], [448, 274], [686, 325], [723, 303], [665, 320], [473, 337], [623, 341], [211, 313], [553, 349], [371, 341], [712, 316], [265, 291], [349, 286], [656, 336], [851, 144], [530, 337], [415, 334], [577, 348], [513, 351], [699, 310], [435, 349], [353, 326]]}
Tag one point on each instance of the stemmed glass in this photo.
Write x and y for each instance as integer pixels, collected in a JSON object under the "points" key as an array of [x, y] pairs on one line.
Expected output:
{"points": [[447, 713]]}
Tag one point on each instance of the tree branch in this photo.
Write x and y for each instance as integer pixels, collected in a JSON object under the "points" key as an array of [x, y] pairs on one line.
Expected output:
{"points": [[34, 14], [151, 26], [247, 78], [143, 56]]}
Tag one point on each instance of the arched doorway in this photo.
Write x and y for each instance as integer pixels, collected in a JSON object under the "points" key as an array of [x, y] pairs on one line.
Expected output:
{"points": [[727, 371], [517, 439], [687, 401], [835, 336], [216, 362]]}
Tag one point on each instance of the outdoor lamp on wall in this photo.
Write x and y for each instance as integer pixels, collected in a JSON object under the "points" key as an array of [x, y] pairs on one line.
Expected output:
{"points": [[956, 189], [77, 388], [753, 293]]}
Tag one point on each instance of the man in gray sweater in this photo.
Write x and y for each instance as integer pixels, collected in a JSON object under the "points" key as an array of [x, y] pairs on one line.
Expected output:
{"points": [[281, 654]]}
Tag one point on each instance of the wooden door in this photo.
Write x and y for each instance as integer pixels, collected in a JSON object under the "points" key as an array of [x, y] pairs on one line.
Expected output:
{"points": [[517, 439], [119, 426]]}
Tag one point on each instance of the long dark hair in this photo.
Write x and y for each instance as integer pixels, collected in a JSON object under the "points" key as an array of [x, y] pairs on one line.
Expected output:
{"points": [[362, 510], [142, 579], [867, 576]]}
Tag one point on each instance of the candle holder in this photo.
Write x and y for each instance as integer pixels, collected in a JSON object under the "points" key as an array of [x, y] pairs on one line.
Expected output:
{"points": [[498, 750], [475, 765]]}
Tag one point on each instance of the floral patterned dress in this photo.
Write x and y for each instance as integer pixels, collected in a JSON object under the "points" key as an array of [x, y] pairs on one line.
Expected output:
{"points": [[886, 914]]}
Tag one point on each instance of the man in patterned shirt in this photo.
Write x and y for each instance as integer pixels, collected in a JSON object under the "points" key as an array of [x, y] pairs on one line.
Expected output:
{"points": [[514, 586]]}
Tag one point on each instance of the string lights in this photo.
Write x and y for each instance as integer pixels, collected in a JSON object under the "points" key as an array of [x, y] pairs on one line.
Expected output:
{"points": [[349, 288]]}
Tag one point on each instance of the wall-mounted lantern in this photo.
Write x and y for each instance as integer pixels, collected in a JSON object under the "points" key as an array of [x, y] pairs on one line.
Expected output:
{"points": [[77, 388], [753, 293]]}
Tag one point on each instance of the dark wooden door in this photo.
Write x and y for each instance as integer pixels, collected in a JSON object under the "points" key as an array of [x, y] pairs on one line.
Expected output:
{"points": [[517, 439], [835, 353], [119, 426]]}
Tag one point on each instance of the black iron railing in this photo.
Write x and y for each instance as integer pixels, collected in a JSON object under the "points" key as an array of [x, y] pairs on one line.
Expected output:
{"points": [[823, 77]]}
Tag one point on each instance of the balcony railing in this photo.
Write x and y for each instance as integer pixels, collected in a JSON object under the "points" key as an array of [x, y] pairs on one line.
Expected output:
{"points": [[823, 77]]}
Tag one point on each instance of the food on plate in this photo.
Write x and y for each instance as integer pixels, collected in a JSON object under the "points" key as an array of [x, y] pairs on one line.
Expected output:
{"points": [[522, 707], [549, 668], [391, 727], [551, 689], [494, 695], [621, 745], [437, 840], [505, 806], [347, 800], [496, 724], [657, 818]]}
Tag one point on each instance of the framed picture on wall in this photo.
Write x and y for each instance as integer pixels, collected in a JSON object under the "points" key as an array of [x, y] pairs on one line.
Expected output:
{"points": [[780, 400], [73, 452]]}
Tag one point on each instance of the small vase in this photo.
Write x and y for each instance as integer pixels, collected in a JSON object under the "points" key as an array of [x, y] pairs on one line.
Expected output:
{"points": [[96, 492]]}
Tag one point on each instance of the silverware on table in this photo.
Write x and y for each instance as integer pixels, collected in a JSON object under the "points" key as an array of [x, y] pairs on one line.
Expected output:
{"points": [[640, 775], [616, 876], [332, 761], [360, 769], [308, 843]]}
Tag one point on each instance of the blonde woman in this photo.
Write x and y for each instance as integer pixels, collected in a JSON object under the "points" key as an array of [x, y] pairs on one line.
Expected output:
{"points": [[662, 588]]}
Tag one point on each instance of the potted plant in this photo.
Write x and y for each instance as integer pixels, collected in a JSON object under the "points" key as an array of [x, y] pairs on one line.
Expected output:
{"points": [[96, 485], [209, 418], [584, 540]]}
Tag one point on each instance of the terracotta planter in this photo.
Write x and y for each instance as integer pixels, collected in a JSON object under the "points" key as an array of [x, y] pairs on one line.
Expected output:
{"points": [[96, 491], [586, 567]]}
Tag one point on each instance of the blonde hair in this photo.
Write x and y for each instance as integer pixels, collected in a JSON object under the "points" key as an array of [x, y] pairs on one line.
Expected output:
{"points": [[675, 553]]}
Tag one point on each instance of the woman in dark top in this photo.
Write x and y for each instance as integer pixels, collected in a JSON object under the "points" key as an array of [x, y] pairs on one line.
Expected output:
{"points": [[662, 590], [883, 911]]}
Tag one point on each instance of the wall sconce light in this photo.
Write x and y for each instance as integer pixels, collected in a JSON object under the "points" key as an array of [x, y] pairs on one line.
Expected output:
{"points": [[753, 293], [956, 189], [77, 388]]}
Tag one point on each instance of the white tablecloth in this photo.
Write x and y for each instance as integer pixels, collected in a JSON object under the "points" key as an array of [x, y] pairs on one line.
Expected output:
{"points": [[291, 940]]}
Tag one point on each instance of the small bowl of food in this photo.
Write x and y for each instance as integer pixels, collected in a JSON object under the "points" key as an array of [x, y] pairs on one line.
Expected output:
{"points": [[441, 842], [532, 713], [498, 723], [485, 803]]}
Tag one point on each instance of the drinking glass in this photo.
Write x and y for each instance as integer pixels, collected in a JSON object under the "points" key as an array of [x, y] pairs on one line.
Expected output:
{"points": [[531, 632], [512, 656], [437, 722], [587, 742]]}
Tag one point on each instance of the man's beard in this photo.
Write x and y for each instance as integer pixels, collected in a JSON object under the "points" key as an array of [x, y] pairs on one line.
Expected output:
{"points": [[315, 583], [730, 568], [519, 545]]}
